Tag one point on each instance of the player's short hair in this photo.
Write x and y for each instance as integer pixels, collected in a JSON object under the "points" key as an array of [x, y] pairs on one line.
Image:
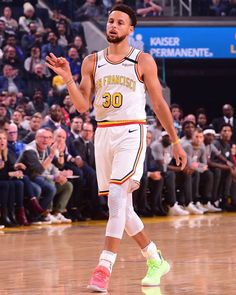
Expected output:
{"points": [[126, 9]]}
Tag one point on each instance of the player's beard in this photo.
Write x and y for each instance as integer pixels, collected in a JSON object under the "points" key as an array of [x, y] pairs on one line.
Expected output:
{"points": [[115, 39]]}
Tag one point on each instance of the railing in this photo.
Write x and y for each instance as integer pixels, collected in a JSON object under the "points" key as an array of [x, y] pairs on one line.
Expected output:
{"points": [[184, 6], [187, 5]]}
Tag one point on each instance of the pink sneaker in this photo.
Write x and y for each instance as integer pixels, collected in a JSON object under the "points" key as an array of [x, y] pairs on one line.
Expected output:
{"points": [[100, 279]]}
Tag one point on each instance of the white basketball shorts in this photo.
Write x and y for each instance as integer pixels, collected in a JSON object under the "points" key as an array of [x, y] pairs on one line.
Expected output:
{"points": [[119, 153]]}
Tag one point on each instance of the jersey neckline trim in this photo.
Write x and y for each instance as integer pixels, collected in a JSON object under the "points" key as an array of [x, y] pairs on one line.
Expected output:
{"points": [[105, 53]]}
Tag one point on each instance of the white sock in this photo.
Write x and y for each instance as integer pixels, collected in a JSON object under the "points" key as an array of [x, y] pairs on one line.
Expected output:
{"points": [[107, 259], [150, 252]]}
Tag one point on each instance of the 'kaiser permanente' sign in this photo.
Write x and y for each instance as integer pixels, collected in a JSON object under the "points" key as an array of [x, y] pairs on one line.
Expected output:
{"points": [[186, 42]]}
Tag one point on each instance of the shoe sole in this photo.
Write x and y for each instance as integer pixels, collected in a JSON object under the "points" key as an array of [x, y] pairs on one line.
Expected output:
{"points": [[96, 289], [153, 285]]}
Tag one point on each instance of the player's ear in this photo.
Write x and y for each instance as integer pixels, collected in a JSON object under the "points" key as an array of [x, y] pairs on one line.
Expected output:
{"points": [[131, 29]]}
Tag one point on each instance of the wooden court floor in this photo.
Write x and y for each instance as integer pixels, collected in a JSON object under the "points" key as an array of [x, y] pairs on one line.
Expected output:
{"points": [[58, 259]]}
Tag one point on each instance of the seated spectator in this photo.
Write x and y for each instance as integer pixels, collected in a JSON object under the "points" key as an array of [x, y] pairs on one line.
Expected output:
{"points": [[188, 128], [148, 8], [151, 178], [12, 101], [203, 177], [17, 118], [52, 46], [2, 33], [11, 82], [54, 119], [88, 9], [80, 46], [56, 18], [12, 188], [66, 161], [75, 63], [14, 145], [227, 117], [38, 80], [28, 17], [37, 104], [191, 118], [163, 154], [233, 151], [201, 120], [3, 110], [34, 59], [83, 148], [232, 8], [63, 37], [155, 128], [11, 23], [34, 125], [12, 41], [28, 39], [216, 162], [223, 145], [75, 129], [217, 7], [68, 109], [38, 158], [177, 116], [10, 58], [4, 124]]}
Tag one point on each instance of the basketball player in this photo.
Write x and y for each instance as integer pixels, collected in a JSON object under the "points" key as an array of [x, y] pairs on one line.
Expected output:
{"points": [[119, 76]]}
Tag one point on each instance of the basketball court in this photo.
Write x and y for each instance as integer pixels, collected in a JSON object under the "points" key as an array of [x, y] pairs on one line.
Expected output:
{"points": [[59, 259]]}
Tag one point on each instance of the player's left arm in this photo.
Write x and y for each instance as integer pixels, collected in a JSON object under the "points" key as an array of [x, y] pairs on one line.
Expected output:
{"points": [[148, 71]]}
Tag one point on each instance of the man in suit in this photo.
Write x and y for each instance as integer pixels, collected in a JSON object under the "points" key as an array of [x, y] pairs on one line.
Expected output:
{"points": [[75, 129], [83, 147], [55, 119], [228, 118]]}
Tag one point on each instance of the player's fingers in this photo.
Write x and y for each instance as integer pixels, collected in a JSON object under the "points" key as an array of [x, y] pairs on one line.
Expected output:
{"points": [[49, 60], [49, 65], [53, 57], [177, 159], [183, 162]]}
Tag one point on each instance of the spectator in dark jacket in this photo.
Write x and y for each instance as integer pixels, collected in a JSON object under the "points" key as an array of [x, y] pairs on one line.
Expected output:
{"points": [[11, 82]]}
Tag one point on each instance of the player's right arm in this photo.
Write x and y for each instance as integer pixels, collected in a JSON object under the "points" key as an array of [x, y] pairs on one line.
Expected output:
{"points": [[80, 96]]}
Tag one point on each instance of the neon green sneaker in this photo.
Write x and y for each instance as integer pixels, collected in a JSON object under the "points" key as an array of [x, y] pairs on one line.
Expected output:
{"points": [[156, 269]]}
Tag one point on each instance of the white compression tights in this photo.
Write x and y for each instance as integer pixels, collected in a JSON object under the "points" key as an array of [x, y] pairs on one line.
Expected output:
{"points": [[121, 212]]}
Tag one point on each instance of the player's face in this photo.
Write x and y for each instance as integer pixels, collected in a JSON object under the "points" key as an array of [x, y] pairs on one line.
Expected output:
{"points": [[118, 27]]}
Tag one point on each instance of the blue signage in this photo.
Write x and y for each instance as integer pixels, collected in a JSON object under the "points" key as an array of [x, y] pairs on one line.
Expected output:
{"points": [[186, 42]]}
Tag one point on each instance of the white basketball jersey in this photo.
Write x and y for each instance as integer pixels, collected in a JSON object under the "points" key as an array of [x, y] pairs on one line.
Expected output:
{"points": [[120, 93]]}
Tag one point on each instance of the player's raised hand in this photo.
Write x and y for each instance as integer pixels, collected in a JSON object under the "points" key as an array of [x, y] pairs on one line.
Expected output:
{"points": [[59, 65], [179, 155]]}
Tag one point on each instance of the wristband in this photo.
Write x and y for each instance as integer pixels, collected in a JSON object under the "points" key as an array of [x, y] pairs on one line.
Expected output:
{"points": [[176, 142], [69, 82]]}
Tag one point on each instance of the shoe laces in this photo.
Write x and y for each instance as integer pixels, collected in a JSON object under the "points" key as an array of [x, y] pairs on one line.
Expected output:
{"points": [[100, 274], [153, 265]]}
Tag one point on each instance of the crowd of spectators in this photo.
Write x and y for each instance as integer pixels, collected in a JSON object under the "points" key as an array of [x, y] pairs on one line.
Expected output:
{"points": [[47, 165], [79, 10], [216, 7], [208, 183]]}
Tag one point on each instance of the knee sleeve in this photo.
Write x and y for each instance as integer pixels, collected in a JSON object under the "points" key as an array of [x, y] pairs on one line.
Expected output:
{"points": [[132, 186], [117, 211], [133, 223]]}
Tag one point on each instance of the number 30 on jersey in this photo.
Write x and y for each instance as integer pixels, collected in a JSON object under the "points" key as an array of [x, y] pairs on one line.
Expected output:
{"points": [[115, 100]]}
